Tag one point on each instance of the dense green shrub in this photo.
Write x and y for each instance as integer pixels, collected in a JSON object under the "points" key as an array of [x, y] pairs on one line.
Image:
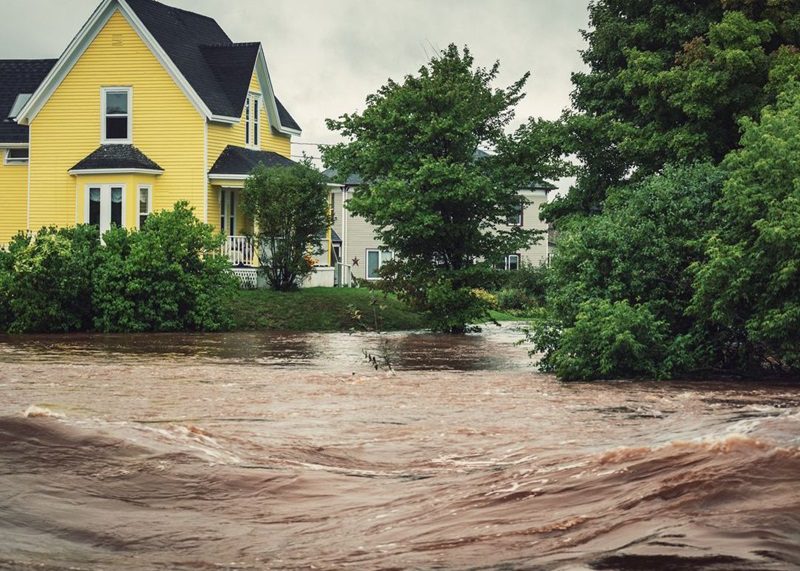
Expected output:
{"points": [[170, 276], [609, 340], [523, 289], [514, 300], [48, 280], [638, 251]]}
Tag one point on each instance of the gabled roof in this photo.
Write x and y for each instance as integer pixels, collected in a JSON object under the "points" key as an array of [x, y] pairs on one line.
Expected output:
{"points": [[240, 162], [116, 158], [18, 77], [212, 70]]}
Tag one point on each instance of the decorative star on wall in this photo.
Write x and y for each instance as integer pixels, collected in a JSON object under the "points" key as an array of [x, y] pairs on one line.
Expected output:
{"points": [[355, 261]]}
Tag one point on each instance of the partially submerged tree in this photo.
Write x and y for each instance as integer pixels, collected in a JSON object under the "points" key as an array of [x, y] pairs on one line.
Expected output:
{"points": [[289, 206], [620, 288], [442, 211]]}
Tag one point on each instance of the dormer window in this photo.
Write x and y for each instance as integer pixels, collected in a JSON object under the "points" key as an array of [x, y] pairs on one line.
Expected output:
{"points": [[252, 116], [116, 102]]}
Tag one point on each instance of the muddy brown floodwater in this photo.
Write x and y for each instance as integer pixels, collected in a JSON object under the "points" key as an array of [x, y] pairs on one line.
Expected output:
{"points": [[279, 451]]}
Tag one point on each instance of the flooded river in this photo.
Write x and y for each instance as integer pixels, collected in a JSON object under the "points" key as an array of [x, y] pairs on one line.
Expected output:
{"points": [[271, 451]]}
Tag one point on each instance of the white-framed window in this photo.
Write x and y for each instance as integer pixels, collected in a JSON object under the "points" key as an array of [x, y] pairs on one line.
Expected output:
{"points": [[145, 204], [516, 218], [17, 156], [117, 115], [227, 212], [252, 120], [375, 261], [512, 262], [105, 206]]}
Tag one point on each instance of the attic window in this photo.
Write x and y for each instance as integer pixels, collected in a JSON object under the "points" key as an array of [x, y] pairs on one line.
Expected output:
{"points": [[19, 103], [116, 102]]}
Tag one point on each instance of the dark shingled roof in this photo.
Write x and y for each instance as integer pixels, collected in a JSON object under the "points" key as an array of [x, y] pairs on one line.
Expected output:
{"points": [[116, 157], [18, 76], [218, 69], [286, 119], [238, 160]]}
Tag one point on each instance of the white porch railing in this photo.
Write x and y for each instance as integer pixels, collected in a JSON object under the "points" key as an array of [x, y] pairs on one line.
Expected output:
{"points": [[239, 250]]}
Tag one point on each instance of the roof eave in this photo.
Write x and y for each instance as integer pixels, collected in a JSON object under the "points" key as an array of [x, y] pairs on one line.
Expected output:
{"points": [[262, 70], [134, 170]]}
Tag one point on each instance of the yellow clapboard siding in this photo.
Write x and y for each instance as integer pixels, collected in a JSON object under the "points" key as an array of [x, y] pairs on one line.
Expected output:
{"points": [[166, 127], [220, 136], [14, 199]]}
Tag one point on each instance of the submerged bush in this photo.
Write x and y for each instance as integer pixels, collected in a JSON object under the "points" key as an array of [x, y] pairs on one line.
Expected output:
{"points": [[610, 340], [637, 253]]}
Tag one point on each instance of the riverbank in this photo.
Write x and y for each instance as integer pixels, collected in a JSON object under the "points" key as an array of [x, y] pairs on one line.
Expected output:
{"points": [[321, 309], [327, 309]]}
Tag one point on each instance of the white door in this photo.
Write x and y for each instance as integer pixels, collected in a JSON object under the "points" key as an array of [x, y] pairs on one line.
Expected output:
{"points": [[105, 205]]}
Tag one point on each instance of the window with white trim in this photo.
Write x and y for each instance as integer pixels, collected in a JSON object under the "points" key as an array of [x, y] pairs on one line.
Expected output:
{"points": [[17, 156], [375, 261], [145, 204], [117, 115], [105, 206], [252, 120], [516, 218], [512, 262]]}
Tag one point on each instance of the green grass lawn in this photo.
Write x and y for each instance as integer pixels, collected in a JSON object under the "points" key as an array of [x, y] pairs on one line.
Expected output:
{"points": [[319, 309], [326, 309]]}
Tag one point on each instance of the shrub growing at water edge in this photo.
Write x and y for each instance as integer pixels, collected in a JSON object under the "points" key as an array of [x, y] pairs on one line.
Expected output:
{"points": [[628, 265], [47, 280], [169, 276]]}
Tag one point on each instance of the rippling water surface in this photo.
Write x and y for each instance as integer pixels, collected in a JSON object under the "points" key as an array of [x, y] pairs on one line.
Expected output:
{"points": [[272, 451]]}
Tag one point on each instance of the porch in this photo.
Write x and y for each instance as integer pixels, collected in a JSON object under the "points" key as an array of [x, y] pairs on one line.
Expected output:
{"points": [[242, 254]]}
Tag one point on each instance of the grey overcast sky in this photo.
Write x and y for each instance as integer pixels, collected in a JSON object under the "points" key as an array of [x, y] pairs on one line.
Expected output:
{"points": [[325, 56]]}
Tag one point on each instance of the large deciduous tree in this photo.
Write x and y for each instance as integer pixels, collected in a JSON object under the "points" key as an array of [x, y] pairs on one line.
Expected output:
{"points": [[668, 82], [751, 281], [434, 199], [290, 209]]}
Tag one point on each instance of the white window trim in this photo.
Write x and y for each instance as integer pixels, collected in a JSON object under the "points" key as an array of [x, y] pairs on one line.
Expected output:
{"points": [[381, 261], [103, 139], [252, 124], [508, 261], [139, 213], [102, 187], [15, 162]]}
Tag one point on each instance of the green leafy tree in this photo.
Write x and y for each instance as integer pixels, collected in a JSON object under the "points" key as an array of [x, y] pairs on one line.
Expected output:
{"points": [[669, 82], [290, 208], [433, 203], [751, 281], [624, 268]]}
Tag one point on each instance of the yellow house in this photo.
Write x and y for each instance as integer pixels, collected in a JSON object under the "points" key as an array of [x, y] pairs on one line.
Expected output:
{"points": [[148, 105]]}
